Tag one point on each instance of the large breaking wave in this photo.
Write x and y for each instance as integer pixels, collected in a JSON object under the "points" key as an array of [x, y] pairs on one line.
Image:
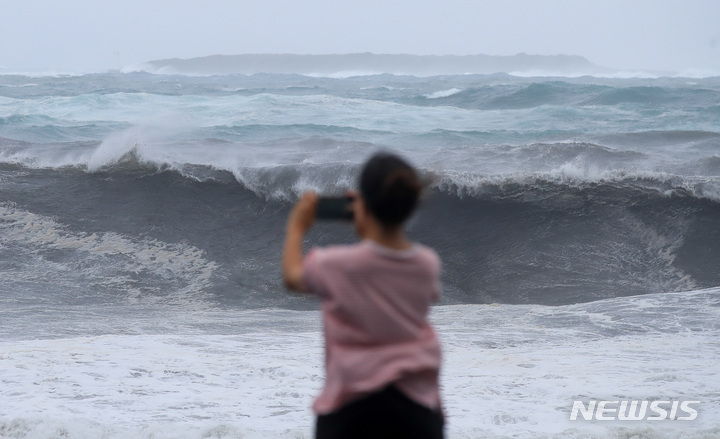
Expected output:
{"points": [[527, 238]]}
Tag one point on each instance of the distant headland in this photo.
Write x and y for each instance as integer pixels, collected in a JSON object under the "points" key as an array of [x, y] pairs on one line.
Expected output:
{"points": [[369, 63]]}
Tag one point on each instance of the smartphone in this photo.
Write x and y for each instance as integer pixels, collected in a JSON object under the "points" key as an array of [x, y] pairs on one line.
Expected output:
{"points": [[335, 208]]}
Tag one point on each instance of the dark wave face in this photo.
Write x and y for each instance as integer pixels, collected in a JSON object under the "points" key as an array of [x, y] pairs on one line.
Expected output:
{"points": [[552, 244], [150, 189], [533, 241]]}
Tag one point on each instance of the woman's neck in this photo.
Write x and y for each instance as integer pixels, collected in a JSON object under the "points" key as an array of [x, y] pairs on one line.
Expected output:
{"points": [[393, 238]]}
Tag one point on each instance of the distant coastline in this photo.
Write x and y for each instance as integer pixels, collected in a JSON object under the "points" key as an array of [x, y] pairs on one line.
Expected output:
{"points": [[369, 63]]}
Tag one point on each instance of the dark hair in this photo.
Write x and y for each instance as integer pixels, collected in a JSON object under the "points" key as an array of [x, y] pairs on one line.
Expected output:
{"points": [[390, 188]]}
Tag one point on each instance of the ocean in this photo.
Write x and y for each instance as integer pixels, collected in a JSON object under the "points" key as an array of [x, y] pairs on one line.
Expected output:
{"points": [[142, 218]]}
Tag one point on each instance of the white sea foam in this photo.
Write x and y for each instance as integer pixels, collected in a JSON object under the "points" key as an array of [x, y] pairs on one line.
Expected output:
{"points": [[19, 85], [103, 260], [535, 73], [509, 371], [616, 74], [344, 74], [443, 93]]}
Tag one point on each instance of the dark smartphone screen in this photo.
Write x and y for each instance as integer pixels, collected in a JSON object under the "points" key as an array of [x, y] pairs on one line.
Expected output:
{"points": [[334, 208]]}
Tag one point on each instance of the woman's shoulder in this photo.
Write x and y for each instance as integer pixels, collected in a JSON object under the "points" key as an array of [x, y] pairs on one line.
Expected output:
{"points": [[416, 252], [369, 249], [336, 252]]}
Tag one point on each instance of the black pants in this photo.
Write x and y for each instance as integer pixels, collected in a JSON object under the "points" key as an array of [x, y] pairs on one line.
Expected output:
{"points": [[385, 414]]}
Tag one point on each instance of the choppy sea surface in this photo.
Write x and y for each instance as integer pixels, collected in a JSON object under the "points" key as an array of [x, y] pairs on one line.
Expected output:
{"points": [[142, 218]]}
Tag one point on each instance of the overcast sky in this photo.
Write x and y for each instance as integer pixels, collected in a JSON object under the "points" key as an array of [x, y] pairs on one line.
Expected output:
{"points": [[97, 35]]}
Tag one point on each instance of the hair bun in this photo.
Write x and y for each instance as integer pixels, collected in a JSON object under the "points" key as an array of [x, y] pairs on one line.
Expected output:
{"points": [[390, 188], [401, 183]]}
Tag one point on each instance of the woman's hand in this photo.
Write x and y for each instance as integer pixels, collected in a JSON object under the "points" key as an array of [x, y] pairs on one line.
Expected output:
{"points": [[302, 218]]}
